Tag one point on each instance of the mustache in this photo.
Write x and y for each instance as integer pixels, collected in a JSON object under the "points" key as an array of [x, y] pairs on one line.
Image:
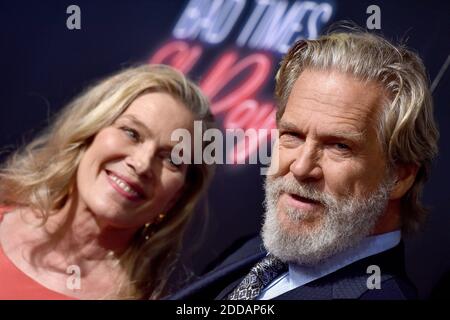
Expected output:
{"points": [[280, 185]]}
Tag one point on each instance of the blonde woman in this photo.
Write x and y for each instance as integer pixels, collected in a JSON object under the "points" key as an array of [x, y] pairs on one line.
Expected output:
{"points": [[95, 208]]}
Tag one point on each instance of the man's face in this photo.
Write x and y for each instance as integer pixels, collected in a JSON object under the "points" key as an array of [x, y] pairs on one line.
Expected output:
{"points": [[332, 182]]}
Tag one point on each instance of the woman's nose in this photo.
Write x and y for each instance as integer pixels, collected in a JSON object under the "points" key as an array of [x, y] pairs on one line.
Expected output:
{"points": [[142, 159]]}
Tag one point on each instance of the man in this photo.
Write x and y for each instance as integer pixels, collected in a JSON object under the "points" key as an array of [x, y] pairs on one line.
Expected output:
{"points": [[356, 140]]}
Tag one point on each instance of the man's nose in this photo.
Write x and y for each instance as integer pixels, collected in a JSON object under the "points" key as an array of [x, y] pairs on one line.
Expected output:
{"points": [[306, 164]]}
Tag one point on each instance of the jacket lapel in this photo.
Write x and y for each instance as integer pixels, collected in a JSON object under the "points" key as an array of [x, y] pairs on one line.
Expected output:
{"points": [[349, 282], [212, 284]]}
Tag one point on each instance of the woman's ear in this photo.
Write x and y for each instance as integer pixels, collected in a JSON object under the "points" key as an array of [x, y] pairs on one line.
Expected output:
{"points": [[405, 177]]}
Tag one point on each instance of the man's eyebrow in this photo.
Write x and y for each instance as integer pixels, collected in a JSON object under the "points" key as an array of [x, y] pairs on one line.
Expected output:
{"points": [[286, 125], [349, 135], [339, 134]]}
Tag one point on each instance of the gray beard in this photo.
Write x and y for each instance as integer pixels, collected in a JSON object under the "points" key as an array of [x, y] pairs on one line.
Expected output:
{"points": [[343, 224]]}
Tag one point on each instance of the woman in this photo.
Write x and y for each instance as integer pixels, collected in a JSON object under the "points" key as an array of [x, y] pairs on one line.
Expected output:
{"points": [[95, 208]]}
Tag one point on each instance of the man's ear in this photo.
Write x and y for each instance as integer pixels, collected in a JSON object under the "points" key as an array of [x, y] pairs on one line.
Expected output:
{"points": [[405, 177]]}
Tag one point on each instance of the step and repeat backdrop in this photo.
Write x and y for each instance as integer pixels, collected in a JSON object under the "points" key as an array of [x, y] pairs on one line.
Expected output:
{"points": [[51, 50]]}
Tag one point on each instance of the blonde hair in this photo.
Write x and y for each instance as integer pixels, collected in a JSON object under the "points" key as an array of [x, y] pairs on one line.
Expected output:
{"points": [[406, 128], [41, 175]]}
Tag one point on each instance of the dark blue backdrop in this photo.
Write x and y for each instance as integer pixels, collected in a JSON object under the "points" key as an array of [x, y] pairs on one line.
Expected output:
{"points": [[44, 65]]}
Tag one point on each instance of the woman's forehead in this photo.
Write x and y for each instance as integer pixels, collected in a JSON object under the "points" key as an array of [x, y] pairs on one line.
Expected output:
{"points": [[159, 111]]}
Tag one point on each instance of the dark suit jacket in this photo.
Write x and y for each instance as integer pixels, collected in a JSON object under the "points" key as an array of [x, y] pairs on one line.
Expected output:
{"points": [[349, 282]]}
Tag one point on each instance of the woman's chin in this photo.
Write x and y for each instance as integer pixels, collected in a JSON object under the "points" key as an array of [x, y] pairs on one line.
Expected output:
{"points": [[110, 215]]}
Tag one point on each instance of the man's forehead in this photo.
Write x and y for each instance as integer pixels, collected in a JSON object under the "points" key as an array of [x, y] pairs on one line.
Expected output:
{"points": [[337, 88], [329, 118], [333, 97]]}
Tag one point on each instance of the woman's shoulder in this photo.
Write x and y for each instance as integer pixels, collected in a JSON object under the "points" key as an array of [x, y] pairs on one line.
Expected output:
{"points": [[4, 210]]}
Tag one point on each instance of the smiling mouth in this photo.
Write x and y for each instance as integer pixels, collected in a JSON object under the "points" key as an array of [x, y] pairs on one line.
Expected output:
{"points": [[302, 203], [124, 188], [303, 199]]}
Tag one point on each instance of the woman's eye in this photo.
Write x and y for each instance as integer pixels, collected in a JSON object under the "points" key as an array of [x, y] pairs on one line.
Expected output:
{"points": [[132, 133], [171, 163]]}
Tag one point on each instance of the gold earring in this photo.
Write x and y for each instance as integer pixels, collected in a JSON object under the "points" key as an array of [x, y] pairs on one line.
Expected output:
{"points": [[147, 232], [149, 226]]}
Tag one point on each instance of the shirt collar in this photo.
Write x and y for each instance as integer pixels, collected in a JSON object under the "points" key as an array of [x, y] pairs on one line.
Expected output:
{"points": [[299, 275]]}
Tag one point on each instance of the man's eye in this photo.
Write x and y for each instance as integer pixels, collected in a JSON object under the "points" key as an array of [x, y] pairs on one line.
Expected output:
{"points": [[342, 146], [289, 135], [290, 139], [132, 133]]}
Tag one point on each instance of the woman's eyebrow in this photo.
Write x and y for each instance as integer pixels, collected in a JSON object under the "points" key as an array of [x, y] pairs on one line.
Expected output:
{"points": [[138, 123], [168, 147]]}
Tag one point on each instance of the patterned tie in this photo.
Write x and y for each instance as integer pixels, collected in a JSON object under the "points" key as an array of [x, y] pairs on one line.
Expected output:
{"points": [[259, 277]]}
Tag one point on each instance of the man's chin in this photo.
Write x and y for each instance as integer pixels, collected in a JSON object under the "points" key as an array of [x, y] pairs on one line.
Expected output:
{"points": [[299, 222], [301, 241], [283, 249], [281, 239]]}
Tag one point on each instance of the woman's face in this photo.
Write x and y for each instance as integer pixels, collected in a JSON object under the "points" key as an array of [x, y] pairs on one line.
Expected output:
{"points": [[126, 177]]}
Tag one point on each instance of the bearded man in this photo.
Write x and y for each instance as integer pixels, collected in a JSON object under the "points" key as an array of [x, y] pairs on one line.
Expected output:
{"points": [[356, 142]]}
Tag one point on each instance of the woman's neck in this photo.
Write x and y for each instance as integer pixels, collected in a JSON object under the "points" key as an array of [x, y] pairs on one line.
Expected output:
{"points": [[81, 239]]}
